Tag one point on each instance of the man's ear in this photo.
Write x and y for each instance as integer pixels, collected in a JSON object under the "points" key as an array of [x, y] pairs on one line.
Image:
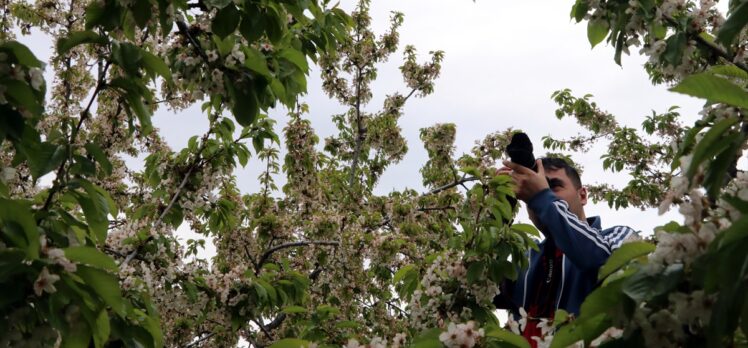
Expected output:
{"points": [[583, 195]]}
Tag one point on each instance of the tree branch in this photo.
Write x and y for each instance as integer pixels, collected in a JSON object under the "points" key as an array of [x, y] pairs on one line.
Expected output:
{"points": [[174, 197], [263, 328], [448, 207], [711, 45], [266, 255], [359, 130], [276, 322], [449, 186], [195, 343], [100, 84]]}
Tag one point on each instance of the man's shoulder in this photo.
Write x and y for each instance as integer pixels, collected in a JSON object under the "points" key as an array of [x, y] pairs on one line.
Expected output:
{"points": [[617, 230], [617, 235]]}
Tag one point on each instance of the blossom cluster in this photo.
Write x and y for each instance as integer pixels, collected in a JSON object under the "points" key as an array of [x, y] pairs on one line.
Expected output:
{"points": [[461, 335]]}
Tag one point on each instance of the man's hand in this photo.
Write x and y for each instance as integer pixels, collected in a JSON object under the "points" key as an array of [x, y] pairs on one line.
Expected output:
{"points": [[529, 183]]}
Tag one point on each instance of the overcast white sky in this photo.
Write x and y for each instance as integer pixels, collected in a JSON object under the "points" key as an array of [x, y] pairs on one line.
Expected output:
{"points": [[503, 60]]}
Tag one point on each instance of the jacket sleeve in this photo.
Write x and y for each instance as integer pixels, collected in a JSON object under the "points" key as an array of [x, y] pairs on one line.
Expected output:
{"points": [[582, 244], [620, 235]]}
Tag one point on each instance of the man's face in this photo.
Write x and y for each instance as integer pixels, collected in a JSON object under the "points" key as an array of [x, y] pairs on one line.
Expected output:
{"points": [[564, 188]]}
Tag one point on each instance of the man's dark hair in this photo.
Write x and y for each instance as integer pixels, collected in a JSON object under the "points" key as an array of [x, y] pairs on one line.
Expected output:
{"points": [[555, 163]]}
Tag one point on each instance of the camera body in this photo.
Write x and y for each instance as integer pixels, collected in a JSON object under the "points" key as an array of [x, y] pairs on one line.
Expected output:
{"points": [[520, 151]]}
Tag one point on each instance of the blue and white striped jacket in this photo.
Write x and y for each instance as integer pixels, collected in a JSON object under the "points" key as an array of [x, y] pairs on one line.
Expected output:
{"points": [[585, 245]]}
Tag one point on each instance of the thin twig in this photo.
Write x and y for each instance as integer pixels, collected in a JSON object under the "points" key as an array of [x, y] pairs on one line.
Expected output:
{"points": [[266, 255], [174, 198], [448, 207], [276, 322], [449, 186], [193, 344], [160, 219], [263, 328]]}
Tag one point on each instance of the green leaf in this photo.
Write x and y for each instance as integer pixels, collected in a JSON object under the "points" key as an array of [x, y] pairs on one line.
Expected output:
{"points": [[713, 88], [142, 13], [44, 158], [597, 30], [294, 309], [474, 271], [734, 24], [243, 154], [735, 233], [226, 21], [623, 255], [22, 94], [245, 106], [19, 213], [711, 144], [327, 309], [585, 328], [135, 103], [76, 335], [605, 299], [729, 71], [725, 314], [11, 263], [347, 324], [659, 30], [579, 10], [164, 17], [252, 25], [76, 38], [737, 203], [560, 317], [619, 48], [273, 24], [290, 343], [256, 62], [527, 228], [643, 286], [508, 337], [22, 53], [155, 65], [102, 329], [428, 339], [107, 14], [225, 45], [295, 57], [95, 207], [98, 154], [105, 285], [128, 57], [676, 44], [90, 256], [727, 156]]}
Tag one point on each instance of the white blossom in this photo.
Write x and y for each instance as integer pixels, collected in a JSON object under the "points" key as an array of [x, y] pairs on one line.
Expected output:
{"points": [[461, 335], [45, 282], [37, 78]]}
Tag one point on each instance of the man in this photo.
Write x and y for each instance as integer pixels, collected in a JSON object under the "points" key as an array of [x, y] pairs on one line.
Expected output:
{"points": [[564, 270]]}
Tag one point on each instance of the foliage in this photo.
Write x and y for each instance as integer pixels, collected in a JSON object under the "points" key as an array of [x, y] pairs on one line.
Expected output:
{"points": [[92, 257], [689, 291]]}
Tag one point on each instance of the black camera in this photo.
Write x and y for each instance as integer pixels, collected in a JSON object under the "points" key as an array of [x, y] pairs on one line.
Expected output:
{"points": [[520, 151]]}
